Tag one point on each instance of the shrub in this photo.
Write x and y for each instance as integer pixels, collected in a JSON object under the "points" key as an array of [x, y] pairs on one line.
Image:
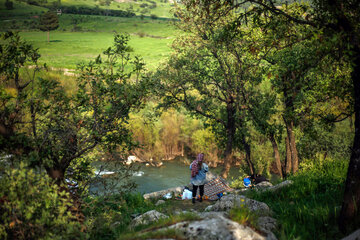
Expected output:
{"points": [[32, 207], [141, 34], [109, 216], [244, 216], [9, 5]]}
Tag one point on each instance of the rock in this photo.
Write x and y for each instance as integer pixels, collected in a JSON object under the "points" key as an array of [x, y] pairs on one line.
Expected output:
{"points": [[267, 225], [174, 191], [208, 215], [216, 228], [159, 202], [148, 217], [354, 236], [230, 201], [280, 185], [264, 184]]}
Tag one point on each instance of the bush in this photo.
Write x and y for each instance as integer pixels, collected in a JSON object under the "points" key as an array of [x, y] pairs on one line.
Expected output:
{"points": [[109, 217], [9, 5], [32, 207], [153, 16]]}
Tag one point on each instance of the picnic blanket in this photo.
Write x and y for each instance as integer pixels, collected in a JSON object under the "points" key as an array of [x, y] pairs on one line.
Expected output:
{"points": [[216, 186]]}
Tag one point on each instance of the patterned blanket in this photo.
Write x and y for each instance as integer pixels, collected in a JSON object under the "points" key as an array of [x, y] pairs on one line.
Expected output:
{"points": [[216, 186]]}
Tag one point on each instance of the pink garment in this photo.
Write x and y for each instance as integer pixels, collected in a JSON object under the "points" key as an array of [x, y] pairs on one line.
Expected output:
{"points": [[195, 164]]}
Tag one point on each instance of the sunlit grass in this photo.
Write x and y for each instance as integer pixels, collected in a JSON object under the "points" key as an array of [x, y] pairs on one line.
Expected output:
{"points": [[309, 208]]}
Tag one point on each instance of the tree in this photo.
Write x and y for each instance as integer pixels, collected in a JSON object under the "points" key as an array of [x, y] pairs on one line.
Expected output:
{"points": [[63, 128], [9, 5], [48, 21], [210, 75], [339, 21]]}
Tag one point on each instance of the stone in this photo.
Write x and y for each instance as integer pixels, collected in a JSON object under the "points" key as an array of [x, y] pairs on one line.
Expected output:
{"points": [[354, 236], [216, 228], [267, 225], [232, 200], [280, 185], [148, 217], [175, 191], [159, 202], [208, 215], [264, 184]]}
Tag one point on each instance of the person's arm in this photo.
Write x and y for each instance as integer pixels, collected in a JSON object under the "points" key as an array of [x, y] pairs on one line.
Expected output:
{"points": [[206, 167]]}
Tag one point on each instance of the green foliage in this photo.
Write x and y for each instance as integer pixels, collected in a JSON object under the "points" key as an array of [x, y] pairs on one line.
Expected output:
{"points": [[48, 21], [9, 5], [109, 217], [309, 208], [66, 126], [32, 207]]}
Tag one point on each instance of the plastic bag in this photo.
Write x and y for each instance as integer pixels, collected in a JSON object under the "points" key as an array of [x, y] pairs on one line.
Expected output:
{"points": [[168, 195], [186, 194]]}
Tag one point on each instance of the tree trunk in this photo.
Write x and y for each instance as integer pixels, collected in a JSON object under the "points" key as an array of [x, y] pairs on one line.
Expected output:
{"points": [[351, 202], [294, 152], [230, 132], [292, 145], [276, 154], [57, 174], [248, 155], [288, 156]]}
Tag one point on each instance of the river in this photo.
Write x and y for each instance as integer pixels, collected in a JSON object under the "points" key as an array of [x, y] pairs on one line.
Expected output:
{"points": [[170, 174]]}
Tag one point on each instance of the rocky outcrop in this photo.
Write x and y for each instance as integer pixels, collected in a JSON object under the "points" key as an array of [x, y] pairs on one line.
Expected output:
{"points": [[216, 228], [280, 185], [148, 217], [354, 236], [159, 202], [264, 184], [267, 225], [232, 200], [159, 194]]}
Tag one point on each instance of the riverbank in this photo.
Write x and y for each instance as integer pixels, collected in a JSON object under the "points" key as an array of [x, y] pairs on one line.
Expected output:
{"points": [[151, 179], [308, 209]]}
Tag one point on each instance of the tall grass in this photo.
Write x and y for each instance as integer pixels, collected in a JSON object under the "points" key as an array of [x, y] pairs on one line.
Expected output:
{"points": [[309, 208]]}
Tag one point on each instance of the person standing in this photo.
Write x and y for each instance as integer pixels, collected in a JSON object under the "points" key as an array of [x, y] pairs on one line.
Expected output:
{"points": [[198, 176]]}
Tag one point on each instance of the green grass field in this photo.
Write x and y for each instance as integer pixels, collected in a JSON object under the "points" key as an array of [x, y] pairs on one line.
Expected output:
{"points": [[82, 37], [151, 39]]}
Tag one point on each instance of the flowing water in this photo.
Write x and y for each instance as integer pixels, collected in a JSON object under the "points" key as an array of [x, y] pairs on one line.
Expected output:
{"points": [[170, 174]]}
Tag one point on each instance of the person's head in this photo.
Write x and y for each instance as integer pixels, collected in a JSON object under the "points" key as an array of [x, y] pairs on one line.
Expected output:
{"points": [[253, 176], [200, 157]]}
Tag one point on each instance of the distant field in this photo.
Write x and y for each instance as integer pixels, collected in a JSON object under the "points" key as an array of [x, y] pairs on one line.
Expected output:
{"points": [[160, 8], [83, 37], [67, 49]]}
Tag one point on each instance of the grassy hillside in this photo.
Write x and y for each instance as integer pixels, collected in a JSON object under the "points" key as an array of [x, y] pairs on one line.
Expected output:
{"points": [[160, 8], [83, 37]]}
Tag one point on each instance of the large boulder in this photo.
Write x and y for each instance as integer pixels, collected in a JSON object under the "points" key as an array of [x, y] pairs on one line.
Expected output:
{"points": [[354, 236], [232, 200], [159, 194], [216, 228], [148, 217], [264, 184], [280, 185]]}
